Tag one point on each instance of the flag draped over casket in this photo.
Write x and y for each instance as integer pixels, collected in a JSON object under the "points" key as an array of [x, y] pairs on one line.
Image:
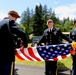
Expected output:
{"points": [[45, 53]]}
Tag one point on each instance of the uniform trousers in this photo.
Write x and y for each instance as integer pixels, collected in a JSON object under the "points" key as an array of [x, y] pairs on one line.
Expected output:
{"points": [[50, 67], [74, 64], [7, 69]]}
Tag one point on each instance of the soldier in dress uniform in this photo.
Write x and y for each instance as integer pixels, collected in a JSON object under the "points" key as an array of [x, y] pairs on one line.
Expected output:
{"points": [[51, 36], [9, 27], [73, 37]]}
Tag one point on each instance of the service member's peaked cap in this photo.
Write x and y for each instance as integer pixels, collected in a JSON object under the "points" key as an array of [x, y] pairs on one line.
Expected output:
{"points": [[14, 14], [48, 21]]}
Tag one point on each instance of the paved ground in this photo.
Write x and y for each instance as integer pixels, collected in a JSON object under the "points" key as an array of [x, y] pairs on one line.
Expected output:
{"points": [[31, 70]]}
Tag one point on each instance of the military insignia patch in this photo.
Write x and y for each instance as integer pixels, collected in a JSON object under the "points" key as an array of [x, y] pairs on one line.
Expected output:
{"points": [[73, 33], [55, 32]]}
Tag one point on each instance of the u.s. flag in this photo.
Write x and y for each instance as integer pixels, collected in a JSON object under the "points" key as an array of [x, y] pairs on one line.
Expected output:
{"points": [[45, 53]]}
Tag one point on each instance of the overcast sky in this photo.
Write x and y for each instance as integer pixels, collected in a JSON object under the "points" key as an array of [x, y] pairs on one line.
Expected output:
{"points": [[62, 8]]}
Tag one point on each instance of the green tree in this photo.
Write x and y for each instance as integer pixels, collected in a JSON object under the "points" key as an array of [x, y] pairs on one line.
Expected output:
{"points": [[46, 15], [26, 21], [35, 21]]}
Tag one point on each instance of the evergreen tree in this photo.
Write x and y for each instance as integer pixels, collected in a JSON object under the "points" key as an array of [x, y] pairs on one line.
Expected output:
{"points": [[37, 21], [26, 21], [45, 16]]}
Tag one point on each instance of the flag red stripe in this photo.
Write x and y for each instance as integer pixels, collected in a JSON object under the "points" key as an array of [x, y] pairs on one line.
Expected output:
{"points": [[22, 50], [71, 51], [19, 56], [55, 59], [32, 54], [64, 56]]}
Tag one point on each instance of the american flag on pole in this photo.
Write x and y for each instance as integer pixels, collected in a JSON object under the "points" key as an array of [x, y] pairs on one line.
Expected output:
{"points": [[45, 53]]}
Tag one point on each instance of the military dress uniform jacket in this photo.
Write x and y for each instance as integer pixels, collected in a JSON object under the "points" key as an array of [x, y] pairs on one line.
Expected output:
{"points": [[7, 50], [73, 37], [52, 37], [73, 34]]}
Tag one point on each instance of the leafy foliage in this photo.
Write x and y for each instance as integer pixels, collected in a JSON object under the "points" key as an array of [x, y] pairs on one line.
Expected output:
{"points": [[34, 22]]}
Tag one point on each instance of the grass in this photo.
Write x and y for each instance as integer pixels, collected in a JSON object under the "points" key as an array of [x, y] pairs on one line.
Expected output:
{"points": [[30, 63], [65, 63]]}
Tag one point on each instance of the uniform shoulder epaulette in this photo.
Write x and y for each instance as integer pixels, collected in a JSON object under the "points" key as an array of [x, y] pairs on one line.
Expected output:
{"points": [[57, 29], [45, 30]]}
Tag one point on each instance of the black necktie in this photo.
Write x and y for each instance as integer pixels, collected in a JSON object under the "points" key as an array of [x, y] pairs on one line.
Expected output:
{"points": [[50, 30]]}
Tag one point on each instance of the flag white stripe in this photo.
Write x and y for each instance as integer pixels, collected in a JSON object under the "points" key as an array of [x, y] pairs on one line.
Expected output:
{"points": [[68, 55], [37, 54], [59, 57], [27, 53], [20, 53]]}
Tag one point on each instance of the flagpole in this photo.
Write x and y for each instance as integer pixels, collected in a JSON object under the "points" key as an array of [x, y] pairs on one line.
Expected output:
{"points": [[11, 68]]}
